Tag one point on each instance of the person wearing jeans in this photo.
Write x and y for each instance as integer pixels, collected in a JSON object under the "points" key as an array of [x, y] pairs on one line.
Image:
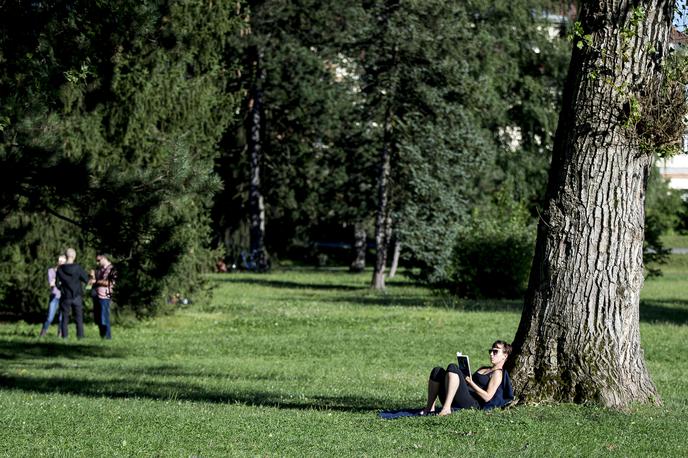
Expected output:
{"points": [[71, 277], [54, 301], [104, 284]]}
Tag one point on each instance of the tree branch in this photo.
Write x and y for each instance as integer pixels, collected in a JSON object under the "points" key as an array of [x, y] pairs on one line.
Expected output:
{"points": [[69, 220]]}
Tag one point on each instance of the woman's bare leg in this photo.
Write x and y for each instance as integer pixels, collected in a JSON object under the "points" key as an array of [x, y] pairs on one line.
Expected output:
{"points": [[452, 383], [433, 390]]}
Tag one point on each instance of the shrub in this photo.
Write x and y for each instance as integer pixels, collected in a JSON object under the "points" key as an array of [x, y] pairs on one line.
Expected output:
{"points": [[493, 254]]}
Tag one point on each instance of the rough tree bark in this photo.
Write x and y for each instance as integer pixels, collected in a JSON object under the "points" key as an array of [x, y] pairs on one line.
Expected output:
{"points": [[578, 339], [255, 130]]}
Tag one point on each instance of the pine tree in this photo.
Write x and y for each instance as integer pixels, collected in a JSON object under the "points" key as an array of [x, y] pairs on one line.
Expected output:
{"points": [[111, 126], [420, 64], [291, 63]]}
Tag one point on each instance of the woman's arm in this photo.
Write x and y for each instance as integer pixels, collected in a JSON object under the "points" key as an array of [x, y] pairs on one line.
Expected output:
{"points": [[492, 386]]}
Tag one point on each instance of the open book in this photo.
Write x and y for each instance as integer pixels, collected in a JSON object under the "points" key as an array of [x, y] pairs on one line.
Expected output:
{"points": [[464, 364]]}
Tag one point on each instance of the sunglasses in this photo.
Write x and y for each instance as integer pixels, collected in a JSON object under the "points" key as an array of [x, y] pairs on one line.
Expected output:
{"points": [[494, 351]]}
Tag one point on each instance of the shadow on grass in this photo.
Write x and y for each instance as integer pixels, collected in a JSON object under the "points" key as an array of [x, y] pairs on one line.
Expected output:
{"points": [[170, 370], [27, 350], [128, 383], [39, 316], [363, 295], [661, 310], [124, 388], [446, 302], [290, 284]]}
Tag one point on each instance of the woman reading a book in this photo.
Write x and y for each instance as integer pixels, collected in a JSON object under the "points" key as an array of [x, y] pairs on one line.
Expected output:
{"points": [[489, 386]]}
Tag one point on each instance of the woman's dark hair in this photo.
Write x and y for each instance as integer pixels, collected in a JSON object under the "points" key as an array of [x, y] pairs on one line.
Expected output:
{"points": [[505, 346]]}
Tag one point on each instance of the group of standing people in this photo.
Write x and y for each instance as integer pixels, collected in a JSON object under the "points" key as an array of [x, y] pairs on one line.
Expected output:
{"points": [[66, 281]]}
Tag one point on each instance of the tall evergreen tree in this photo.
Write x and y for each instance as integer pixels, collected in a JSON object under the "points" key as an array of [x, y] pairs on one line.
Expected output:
{"points": [[112, 114], [529, 55], [421, 70], [302, 107]]}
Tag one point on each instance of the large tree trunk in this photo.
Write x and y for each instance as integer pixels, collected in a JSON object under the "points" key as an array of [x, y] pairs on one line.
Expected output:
{"points": [[579, 340], [255, 146], [360, 247]]}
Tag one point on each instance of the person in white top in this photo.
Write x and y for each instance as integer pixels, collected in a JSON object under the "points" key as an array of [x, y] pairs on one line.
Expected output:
{"points": [[54, 301]]}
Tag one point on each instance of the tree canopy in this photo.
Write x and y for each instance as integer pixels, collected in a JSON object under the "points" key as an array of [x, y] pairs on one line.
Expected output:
{"points": [[130, 128], [112, 114]]}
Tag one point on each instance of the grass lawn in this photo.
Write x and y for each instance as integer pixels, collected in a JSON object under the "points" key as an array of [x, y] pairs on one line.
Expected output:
{"points": [[298, 363], [675, 241]]}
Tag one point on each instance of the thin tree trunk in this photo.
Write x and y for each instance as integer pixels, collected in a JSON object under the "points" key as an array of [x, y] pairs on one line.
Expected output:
{"points": [[381, 219], [360, 246], [255, 128], [578, 339], [395, 258], [383, 210]]}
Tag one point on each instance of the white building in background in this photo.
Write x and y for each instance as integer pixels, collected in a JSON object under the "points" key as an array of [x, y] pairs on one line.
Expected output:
{"points": [[675, 169]]}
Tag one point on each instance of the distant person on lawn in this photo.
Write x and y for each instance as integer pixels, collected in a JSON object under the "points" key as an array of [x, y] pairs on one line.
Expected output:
{"points": [[54, 300], [71, 276], [103, 286], [220, 266], [489, 386]]}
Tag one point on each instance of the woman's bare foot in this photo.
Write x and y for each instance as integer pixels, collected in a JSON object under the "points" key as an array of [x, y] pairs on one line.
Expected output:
{"points": [[445, 411]]}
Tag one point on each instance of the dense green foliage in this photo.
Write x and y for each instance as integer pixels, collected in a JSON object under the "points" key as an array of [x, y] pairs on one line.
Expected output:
{"points": [[112, 114], [123, 129], [493, 249], [299, 362], [420, 76], [493, 254], [308, 144], [436, 83]]}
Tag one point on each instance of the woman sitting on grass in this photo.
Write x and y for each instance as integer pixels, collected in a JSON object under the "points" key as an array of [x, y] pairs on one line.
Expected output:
{"points": [[488, 388]]}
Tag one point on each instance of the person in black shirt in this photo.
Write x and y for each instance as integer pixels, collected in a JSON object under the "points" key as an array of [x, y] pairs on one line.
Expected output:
{"points": [[70, 277], [489, 387]]}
